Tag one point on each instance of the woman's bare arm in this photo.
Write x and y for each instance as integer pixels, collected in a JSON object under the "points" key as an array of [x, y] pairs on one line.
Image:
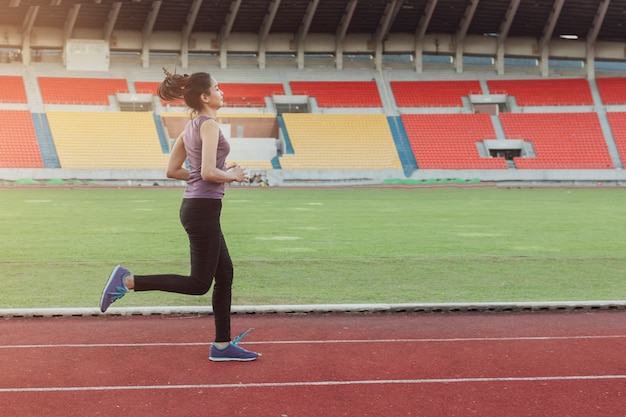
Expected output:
{"points": [[178, 155]]}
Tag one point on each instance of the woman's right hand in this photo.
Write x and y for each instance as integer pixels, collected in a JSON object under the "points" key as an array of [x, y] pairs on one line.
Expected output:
{"points": [[238, 172]]}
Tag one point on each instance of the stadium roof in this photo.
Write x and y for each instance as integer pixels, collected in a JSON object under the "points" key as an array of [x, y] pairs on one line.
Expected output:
{"points": [[595, 20]]}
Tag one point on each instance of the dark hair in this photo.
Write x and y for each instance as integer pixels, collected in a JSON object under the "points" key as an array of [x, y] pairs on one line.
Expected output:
{"points": [[189, 87]]}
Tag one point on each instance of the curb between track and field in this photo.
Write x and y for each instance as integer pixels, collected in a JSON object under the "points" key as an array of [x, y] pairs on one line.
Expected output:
{"points": [[323, 308]]}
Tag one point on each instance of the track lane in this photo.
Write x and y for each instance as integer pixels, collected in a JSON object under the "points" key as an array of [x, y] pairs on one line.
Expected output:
{"points": [[528, 364], [283, 363]]}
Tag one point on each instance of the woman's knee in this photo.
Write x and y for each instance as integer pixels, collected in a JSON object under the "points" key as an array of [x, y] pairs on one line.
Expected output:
{"points": [[201, 287]]}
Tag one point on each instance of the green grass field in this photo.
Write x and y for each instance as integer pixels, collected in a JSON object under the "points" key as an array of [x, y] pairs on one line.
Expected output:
{"points": [[322, 245]]}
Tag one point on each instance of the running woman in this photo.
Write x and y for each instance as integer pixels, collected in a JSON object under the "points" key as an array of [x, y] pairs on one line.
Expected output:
{"points": [[206, 149]]}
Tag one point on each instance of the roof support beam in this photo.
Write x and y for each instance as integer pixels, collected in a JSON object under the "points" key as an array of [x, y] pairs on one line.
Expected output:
{"points": [[340, 36], [462, 32], [70, 22], [420, 32], [111, 19], [391, 11], [503, 33], [265, 31], [225, 32], [192, 15], [68, 28], [592, 37], [303, 30], [548, 30], [27, 30], [148, 26]]}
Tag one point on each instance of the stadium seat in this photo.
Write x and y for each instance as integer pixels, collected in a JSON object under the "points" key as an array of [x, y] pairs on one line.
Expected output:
{"points": [[12, 88], [249, 95], [18, 140], [448, 141], [150, 87], [545, 92], [339, 93], [617, 121], [235, 94], [612, 90], [560, 140], [252, 164], [433, 93], [89, 91], [106, 140], [340, 141]]}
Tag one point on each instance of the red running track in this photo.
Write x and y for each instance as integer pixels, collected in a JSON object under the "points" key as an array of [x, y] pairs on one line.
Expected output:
{"points": [[438, 364]]}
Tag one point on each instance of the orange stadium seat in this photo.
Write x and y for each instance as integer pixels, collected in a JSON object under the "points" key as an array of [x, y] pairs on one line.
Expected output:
{"points": [[612, 90], [91, 91], [433, 93], [18, 140], [561, 140], [150, 87], [545, 92], [339, 93], [618, 127], [448, 141], [235, 94], [249, 95], [12, 89]]}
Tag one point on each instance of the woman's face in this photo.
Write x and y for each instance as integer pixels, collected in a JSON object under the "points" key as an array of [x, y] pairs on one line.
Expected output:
{"points": [[216, 96]]}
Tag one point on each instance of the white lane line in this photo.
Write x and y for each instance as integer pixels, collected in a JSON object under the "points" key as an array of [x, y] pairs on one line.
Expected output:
{"points": [[319, 383], [313, 342]]}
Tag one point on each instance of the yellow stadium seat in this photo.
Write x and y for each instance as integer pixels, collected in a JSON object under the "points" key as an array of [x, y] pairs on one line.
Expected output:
{"points": [[106, 140], [340, 141]]}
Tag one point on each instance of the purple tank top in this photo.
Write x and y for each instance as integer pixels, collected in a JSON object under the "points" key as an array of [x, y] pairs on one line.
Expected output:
{"points": [[196, 186]]}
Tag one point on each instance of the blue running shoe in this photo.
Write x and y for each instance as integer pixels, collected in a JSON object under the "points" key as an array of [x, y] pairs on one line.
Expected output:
{"points": [[114, 288], [233, 352]]}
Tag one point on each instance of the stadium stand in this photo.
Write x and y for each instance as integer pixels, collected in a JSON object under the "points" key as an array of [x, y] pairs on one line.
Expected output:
{"points": [[150, 87], [235, 94], [175, 122], [12, 88], [320, 141], [252, 164], [249, 95], [339, 141], [88, 91], [545, 92], [339, 93], [612, 90], [617, 121], [561, 140], [18, 142], [109, 140], [433, 93], [448, 141]]}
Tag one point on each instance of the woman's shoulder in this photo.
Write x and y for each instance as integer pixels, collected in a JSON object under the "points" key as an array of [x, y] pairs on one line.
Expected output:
{"points": [[198, 121], [203, 118]]}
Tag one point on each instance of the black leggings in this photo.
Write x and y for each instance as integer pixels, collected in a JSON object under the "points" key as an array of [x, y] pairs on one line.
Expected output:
{"points": [[209, 260]]}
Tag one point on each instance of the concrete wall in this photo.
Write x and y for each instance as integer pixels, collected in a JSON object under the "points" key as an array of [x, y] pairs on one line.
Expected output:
{"points": [[330, 177]]}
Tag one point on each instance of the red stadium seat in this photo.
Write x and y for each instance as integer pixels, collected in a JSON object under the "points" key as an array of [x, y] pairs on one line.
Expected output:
{"points": [[612, 90], [90, 91], [560, 140], [235, 94], [618, 127], [339, 93], [18, 147], [12, 88], [448, 141], [433, 93], [545, 92]]}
